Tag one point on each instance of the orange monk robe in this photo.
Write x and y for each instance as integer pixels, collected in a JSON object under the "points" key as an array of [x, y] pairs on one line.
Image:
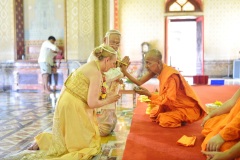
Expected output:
{"points": [[177, 101], [227, 125]]}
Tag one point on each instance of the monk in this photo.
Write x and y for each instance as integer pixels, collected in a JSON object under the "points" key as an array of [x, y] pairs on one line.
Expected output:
{"points": [[177, 104], [221, 128]]}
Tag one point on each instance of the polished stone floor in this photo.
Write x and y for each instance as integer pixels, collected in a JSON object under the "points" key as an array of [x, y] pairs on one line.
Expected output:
{"points": [[25, 114]]}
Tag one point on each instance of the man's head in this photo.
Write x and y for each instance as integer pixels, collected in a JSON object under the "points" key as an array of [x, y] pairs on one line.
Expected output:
{"points": [[52, 39], [113, 38], [153, 61]]}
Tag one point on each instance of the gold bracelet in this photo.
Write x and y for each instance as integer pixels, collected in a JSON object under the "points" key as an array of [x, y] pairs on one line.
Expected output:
{"points": [[122, 63]]}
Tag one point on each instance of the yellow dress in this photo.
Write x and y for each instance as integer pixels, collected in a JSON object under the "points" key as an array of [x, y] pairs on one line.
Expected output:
{"points": [[75, 134]]}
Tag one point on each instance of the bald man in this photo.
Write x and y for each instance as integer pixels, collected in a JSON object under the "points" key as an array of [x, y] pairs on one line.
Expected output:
{"points": [[177, 104], [107, 118]]}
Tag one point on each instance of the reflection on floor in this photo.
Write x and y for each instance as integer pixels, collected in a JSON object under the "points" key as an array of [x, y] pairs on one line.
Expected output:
{"points": [[24, 115]]}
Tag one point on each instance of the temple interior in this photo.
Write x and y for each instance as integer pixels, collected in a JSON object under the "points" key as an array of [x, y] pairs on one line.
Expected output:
{"points": [[200, 38]]}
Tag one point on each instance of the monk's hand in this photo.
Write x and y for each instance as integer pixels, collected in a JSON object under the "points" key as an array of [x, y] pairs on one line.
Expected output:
{"points": [[205, 119], [142, 91], [216, 155], [124, 64], [124, 69], [126, 60], [215, 143]]}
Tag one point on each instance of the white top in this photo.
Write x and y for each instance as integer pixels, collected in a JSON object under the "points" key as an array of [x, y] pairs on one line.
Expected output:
{"points": [[46, 52]]}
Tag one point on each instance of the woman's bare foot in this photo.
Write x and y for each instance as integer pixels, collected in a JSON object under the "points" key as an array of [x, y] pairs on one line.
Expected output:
{"points": [[34, 146]]}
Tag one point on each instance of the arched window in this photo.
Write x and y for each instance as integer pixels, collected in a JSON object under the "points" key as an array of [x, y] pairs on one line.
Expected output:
{"points": [[183, 6]]}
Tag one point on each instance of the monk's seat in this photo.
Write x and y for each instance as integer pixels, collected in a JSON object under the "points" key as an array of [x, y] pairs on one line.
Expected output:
{"points": [[200, 79]]}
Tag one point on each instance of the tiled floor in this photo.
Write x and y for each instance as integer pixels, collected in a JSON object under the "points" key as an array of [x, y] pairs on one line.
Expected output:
{"points": [[23, 115]]}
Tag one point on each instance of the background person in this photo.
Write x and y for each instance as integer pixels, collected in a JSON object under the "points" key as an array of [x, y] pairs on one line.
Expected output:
{"points": [[46, 61]]}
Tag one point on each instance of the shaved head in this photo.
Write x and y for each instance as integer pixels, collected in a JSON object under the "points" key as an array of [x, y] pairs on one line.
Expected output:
{"points": [[153, 61], [154, 54]]}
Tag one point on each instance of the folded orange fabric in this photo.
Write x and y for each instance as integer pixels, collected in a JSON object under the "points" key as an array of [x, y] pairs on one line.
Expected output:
{"points": [[187, 141]]}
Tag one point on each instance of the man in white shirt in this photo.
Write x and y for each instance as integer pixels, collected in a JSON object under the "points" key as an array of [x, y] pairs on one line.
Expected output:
{"points": [[47, 52]]}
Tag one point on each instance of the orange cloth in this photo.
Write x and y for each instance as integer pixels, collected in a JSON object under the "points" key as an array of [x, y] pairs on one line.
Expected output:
{"points": [[227, 125], [187, 141], [176, 99]]}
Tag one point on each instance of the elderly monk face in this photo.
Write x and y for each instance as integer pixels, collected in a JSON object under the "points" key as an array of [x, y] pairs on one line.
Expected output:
{"points": [[153, 62], [113, 41]]}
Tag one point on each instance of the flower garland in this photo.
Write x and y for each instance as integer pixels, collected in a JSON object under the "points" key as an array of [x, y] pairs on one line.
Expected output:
{"points": [[104, 88]]}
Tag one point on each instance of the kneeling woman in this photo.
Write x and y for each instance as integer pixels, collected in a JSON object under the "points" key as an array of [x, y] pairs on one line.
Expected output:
{"points": [[75, 134]]}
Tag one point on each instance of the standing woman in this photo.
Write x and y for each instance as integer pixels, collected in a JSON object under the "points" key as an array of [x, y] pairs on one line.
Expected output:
{"points": [[75, 134]]}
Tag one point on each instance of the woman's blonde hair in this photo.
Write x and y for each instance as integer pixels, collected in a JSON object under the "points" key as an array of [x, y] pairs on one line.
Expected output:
{"points": [[104, 51]]}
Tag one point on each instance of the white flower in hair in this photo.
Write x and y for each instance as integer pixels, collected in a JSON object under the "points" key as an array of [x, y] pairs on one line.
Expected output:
{"points": [[113, 31], [108, 48]]}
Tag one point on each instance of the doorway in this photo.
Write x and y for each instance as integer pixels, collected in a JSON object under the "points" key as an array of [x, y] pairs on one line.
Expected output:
{"points": [[184, 49]]}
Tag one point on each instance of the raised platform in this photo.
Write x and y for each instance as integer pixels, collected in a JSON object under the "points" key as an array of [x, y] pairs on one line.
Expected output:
{"points": [[27, 76]]}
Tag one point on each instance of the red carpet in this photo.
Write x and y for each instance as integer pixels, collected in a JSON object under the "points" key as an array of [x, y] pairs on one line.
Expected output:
{"points": [[149, 141]]}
